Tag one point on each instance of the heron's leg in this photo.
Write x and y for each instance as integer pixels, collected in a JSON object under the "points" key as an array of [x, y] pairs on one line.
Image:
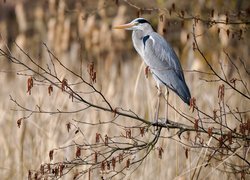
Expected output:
{"points": [[167, 95], [158, 105]]}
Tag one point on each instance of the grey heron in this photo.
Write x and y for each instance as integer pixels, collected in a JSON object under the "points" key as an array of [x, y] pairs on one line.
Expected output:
{"points": [[159, 56]]}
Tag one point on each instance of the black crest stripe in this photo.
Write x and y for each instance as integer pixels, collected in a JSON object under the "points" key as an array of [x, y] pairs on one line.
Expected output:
{"points": [[145, 38], [142, 21]]}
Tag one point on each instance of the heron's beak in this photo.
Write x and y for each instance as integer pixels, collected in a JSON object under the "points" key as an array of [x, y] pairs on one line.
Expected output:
{"points": [[124, 26]]}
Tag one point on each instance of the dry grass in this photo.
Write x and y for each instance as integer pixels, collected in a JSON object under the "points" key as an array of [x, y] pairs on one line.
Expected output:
{"points": [[78, 38]]}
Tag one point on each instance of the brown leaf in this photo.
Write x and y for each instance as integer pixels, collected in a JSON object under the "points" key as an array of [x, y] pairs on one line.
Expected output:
{"points": [[29, 175], [36, 176], [19, 122], [188, 136], [161, 17], [29, 85], [160, 152], [89, 173], [240, 34], [230, 137], [128, 163], [51, 154], [103, 166], [201, 141], [71, 95], [92, 72], [210, 131], [220, 141], [248, 125], [97, 138], [164, 30], [108, 165], [56, 171], [192, 104], [93, 77], [218, 30], [233, 81], [142, 131], [75, 175], [221, 92], [243, 175], [182, 13], [96, 157], [68, 126], [194, 47], [212, 13], [120, 158], [215, 114], [228, 32], [168, 24], [64, 84], [50, 89], [186, 153], [48, 166], [170, 12], [117, 2], [106, 140], [239, 13], [42, 169], [78, 151], [227, 20], [196, 124], [147, 71], [139, 13], [242, 129], [61, 167], [182, 24], [173, 6], [115, 111], [128, 133], [113, 162], [196, 21]]}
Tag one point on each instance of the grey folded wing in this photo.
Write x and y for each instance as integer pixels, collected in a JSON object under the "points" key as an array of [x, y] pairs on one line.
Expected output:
{"points": [[165, 65]]}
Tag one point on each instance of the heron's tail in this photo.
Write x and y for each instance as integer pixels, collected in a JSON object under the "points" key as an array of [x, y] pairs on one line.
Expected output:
{"points": [[183, 91], [178, 85]]}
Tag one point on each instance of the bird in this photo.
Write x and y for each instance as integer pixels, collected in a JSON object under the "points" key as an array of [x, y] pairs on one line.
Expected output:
{"points": [[159, 57]]}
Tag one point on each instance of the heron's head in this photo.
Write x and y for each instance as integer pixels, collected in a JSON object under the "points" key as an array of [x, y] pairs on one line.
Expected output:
{"points": [[137, 24]]}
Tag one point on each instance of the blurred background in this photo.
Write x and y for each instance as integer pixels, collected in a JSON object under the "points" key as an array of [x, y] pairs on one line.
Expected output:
{"points": [[79, 32]]}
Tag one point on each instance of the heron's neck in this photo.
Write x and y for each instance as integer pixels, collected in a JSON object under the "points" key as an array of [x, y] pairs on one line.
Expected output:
{"points": [[137, 38]]}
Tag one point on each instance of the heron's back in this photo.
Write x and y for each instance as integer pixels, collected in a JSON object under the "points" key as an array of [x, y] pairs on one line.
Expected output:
{"points": [[164, 64]]}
